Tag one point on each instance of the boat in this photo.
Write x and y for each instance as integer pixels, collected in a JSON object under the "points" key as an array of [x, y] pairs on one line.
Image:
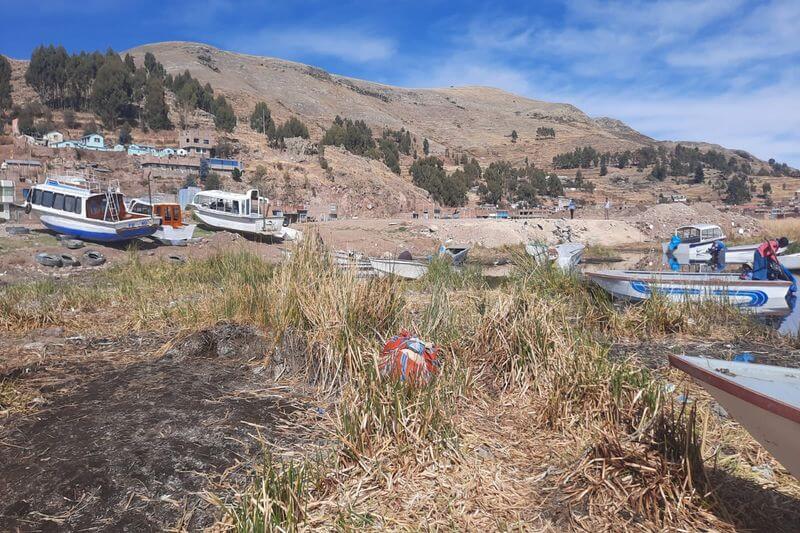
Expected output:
{"points": [[172, 230], [73, 205], [408, 269], [346, 259], [761, 297], [243, 213], [764, 399], [565, 256], [791, 261], [458, 254], [690, 244]]}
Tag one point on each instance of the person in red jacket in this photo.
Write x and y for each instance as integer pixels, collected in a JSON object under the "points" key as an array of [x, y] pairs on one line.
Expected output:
{"points": [[765, 255]]}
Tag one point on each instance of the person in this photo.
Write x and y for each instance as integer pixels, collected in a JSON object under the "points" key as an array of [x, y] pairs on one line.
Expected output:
{"points": [[765, 259], [571, 208], [717, 253], [607, 206]]}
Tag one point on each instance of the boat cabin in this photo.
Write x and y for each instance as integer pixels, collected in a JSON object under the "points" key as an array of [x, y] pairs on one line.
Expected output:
{"points": [[236, 204], [79, 198], [700, 233], [169, 213]]}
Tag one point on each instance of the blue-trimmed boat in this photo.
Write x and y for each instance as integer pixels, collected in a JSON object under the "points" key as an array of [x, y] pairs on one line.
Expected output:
{"points": [[767, 297], [75, 206]]}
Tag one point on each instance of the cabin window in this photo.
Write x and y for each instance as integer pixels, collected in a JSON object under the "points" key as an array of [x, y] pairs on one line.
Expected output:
{"points": [[69, 203], [235, 207], [58, 201], [37, 196], [167, 215], [141, 209], [78, 206], [47, 198], [176, 213]]}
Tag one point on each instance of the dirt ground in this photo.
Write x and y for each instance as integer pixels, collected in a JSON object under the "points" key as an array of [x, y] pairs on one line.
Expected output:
{"points": [[119, 437]]}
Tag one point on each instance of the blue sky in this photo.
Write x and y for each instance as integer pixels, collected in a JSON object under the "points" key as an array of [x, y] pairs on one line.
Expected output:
{"points": [[725, 71]]}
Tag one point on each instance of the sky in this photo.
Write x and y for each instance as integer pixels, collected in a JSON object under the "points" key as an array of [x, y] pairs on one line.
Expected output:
{"points": [[722, 71]]}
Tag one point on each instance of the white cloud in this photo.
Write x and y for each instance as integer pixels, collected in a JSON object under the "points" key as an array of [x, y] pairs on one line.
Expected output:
{"points": [[350, 45]]}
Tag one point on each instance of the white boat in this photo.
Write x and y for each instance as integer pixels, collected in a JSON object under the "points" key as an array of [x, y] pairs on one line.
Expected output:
{"points": [[75, 206], [399, 267], [458, 254], [243, 213], [565, 256], [764, 399], [172, 230], [695, 240], [761, 297], [353, 260], [791, 261]]}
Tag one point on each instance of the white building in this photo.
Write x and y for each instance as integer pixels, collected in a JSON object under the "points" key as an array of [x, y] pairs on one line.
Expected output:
{"points": [[6, 199]]}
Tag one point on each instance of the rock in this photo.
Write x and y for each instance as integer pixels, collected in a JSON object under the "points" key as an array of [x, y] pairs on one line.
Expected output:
{"points": [[764, 471]]}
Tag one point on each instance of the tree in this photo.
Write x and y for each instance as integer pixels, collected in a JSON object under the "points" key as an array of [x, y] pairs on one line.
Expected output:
{"points": [[766, 188], [212, 182], [190, 181], [224, 117], [659, 172], [125, 135], [236, 175], [203, 172], [153, 67], [428, 173], [603, 169], [129, 64], [5, 84], [426, 147], [355, 137], [111, 91], [69, 119], [291, 128], [514, 136], [261, 120], [699, 175], [156, 111], [738, 191]]}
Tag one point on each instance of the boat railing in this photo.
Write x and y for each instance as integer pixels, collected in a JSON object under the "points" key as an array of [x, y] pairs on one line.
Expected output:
{"points": [[80, 179]]}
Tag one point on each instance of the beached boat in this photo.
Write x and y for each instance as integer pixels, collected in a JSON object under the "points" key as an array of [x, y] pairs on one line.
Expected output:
{"points": [[765, 400], [408, 269], [353, 260], [172, 230], [791, 261], [242, 213], [458, 254], [75, 206], [761, 297], [565, 256]]}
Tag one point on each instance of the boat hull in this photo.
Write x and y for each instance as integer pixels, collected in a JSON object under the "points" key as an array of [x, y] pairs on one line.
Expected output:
{"points": [[98, 230], [400, 268], [567, 258], [253, 225], [175, 236], [765, 400], [761, 297]]}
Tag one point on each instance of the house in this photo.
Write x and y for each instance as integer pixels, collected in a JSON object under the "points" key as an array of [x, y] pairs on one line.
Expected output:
{"points": [[171, 165], [53, 137], [197, 141], [6, 199], [20, 168], [224, 165], [93, 141]]}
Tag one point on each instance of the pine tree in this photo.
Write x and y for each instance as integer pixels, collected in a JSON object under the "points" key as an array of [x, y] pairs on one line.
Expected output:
{"points": [[5, 84], [603, 169], [699, 175], [111, 91], [224, 117], [425, 147], [156, 111], [261, 120]]}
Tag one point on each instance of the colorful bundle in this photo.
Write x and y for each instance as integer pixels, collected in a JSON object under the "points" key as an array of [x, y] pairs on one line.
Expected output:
{"points": [[409, 359]]}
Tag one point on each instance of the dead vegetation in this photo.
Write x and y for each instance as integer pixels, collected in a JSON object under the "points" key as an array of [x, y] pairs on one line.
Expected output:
{"points": [[531, 423]]}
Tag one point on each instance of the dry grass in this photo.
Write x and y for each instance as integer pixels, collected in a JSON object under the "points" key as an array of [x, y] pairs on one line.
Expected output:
{"points": [[528, 425]]}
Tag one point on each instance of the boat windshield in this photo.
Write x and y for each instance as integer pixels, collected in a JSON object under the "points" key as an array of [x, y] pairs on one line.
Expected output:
{"points": [[98, 208], [711, 233], [225, 205]]}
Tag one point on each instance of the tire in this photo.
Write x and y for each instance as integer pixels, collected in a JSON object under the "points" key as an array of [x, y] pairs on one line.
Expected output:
{"points": [[28, 208], [17, 230], [49, 260], [73, 244], [93, 258], [69, 261], [177, 259]]}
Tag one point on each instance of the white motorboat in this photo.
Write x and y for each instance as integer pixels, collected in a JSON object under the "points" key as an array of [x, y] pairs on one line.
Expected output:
{"points": [[244, 213], [791, 261], [172, 230], [75, 206], [565, 256], [408, 269], [764, 399], [353, 260], [761, 297], [691, 243]]}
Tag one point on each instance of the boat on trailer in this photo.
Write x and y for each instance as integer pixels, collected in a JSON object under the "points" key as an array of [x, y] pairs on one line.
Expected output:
{"points": [[243, 213], [761, 297], [85, 209], [565, 256], [172, 230], [764, 399]]}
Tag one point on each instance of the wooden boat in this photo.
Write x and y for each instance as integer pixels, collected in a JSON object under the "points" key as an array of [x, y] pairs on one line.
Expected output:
{"points": [[458, 254], [408, 269], [172, 230], [761, 297], [565, 256], [75, 206], [242, 213], [764, 399]]}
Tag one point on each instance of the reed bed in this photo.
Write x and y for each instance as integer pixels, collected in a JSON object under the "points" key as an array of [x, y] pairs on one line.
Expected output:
{"points": [[529, 423]]}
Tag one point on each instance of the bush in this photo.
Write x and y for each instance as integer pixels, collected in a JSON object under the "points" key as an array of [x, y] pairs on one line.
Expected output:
{"points": [[428, 173]]}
